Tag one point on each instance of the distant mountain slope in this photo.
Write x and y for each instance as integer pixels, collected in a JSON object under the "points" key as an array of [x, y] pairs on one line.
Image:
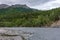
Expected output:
{"points": [[19, 5], [15, 8], [3, 6]]}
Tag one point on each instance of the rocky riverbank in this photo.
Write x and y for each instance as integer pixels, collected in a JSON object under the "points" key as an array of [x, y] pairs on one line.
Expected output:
{"points": [[7, 34], [56, 24]]}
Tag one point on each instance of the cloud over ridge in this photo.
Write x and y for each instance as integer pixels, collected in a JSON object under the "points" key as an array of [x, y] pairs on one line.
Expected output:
{"points": [[38, 4]]}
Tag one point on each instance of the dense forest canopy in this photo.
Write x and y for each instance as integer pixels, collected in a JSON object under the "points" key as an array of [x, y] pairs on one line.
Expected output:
{"points": [[27, 17]]}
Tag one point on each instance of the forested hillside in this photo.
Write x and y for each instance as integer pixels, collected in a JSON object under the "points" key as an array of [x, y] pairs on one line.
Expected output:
{"points": [[27, 17]]}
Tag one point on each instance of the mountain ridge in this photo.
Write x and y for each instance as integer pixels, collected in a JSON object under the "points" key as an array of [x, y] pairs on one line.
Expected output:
{"points": [[3, 6], [16, 5]]}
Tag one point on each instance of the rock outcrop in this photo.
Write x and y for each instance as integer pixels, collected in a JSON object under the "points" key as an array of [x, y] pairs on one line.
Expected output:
{"points": [[56, 24]]}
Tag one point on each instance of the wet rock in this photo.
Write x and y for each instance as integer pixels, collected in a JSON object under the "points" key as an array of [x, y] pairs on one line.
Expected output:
{"points": [[10, 38], [6, 34]]}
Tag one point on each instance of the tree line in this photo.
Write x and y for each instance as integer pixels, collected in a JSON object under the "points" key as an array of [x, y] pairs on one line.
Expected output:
{"points": [[23, 17]]}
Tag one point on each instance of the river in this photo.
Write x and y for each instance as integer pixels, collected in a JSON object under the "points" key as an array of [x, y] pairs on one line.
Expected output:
{"points": [[41, 33]]}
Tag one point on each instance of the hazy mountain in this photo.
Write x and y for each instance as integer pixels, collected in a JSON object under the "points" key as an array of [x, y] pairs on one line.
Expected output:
{"points": [[14, 6], [3, 6], [19, 5]]}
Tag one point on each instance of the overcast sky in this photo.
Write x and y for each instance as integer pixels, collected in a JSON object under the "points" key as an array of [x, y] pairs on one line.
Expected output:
{"points": [[37, 4]]}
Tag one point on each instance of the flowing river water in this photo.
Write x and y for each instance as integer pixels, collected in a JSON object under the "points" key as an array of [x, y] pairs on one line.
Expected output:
{"points": [[38, 33]]}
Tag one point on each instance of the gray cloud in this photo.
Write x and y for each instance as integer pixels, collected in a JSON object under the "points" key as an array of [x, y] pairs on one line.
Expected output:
{"points": [[37, 2], [28, 2]]}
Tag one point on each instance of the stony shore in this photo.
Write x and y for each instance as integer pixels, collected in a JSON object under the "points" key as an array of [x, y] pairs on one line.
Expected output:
{"points": [[56, 24], [6, 34]]}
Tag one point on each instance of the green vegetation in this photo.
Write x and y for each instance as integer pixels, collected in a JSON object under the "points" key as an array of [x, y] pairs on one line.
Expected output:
{"points": [[26, 17]]}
